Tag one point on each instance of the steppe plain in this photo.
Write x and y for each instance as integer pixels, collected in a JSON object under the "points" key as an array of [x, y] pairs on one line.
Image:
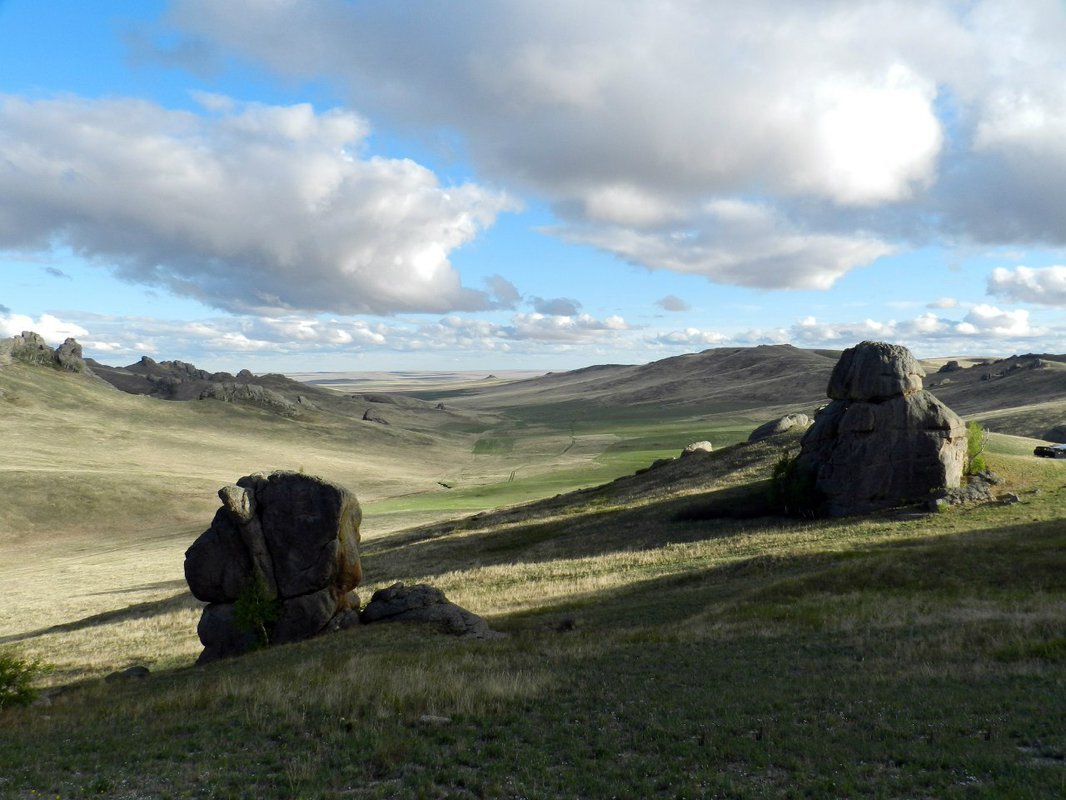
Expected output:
{"points": [[668, 636]]}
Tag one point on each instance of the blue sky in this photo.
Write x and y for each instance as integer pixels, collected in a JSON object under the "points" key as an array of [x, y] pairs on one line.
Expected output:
{"points": [[331, 185]]}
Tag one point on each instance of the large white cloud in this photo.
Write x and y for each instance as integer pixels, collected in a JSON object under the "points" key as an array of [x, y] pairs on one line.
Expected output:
{"points": [[52, 328], [1043, 285], [855, 123], [243, 206], [741, 243]]}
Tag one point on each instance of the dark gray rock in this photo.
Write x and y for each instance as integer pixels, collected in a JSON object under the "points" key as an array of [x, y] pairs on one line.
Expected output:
{"points": [[865, 454], [221, 636], [425, 603], [373, 416], [875, 371], [976, 489], [68, 356], [775, 427], [305, 616], [951, 366], [137, 672], [311, 528], [290, 539], [217, 565]]}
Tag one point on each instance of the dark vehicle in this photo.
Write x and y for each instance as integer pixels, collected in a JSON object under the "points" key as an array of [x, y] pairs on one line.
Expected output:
{"points": [[1051, 451]]}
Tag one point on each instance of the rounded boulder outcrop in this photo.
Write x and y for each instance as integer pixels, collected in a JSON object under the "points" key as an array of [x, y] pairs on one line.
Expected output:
{"points": [[875, 371], [288, 541], [883, 440]]}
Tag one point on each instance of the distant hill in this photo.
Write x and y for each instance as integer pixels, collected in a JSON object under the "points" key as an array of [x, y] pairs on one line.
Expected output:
{"points": [[1023, 395], [740, 377]]}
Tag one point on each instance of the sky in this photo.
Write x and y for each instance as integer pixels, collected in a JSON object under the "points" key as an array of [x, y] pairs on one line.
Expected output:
{"points": [[288, 185]]}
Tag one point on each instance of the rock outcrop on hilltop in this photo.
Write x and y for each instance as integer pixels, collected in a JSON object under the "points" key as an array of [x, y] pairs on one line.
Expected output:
{"points": [[280, 560], [883, 440], [31, 348], [179, 380]]}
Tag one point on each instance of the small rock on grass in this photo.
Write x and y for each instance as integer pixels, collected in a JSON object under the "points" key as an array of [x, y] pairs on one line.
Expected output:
{"points": [[130, 673]]}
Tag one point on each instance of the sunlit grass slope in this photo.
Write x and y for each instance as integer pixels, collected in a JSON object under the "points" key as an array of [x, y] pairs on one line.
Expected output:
{"points": [[667, 638]]}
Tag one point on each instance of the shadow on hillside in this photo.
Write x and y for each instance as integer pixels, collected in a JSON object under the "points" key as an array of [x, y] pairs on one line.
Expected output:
{"points": [[1004, 562], [177, 583], [176, 602], [594, 529]]}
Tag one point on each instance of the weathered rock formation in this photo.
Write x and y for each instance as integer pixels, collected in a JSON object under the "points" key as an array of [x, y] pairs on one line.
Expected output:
{"points": [[279, 561], [778, 426], [883, 440], [31, 348], [697, 447], [425, 603]]}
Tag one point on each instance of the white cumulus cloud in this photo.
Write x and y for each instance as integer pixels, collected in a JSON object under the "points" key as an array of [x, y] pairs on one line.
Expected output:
{"points": [[244, 206], [1043, 285]]}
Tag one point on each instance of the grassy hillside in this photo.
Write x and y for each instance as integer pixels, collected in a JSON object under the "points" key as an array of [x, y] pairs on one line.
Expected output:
{"points": [[658, 645], [667, 635]]}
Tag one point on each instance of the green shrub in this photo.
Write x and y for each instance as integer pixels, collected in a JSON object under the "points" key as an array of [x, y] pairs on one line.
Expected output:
{"points": [[16, 679], [793, 490], [975, 446], [31, 355], [255, 612]]}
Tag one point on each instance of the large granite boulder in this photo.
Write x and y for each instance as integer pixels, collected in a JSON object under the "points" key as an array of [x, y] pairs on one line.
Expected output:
{"points": [[279, 561], [883, 440]]}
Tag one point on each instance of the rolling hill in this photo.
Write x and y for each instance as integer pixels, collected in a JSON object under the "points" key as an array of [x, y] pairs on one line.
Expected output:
{"points": [[667, 633]]}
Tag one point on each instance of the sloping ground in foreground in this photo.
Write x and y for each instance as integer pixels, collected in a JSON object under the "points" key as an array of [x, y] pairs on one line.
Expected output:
{"points": [[659, 645]]}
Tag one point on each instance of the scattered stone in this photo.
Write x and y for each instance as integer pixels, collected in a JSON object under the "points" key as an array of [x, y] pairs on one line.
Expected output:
{"points": [[1009, 499], [566, 625], [424, 603], [373, 416], [778, 426], [977, 489], [883, 440], [137, 672], [343, 620], [697, 447], [440, 407], [287, 541], [951, 366]]}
